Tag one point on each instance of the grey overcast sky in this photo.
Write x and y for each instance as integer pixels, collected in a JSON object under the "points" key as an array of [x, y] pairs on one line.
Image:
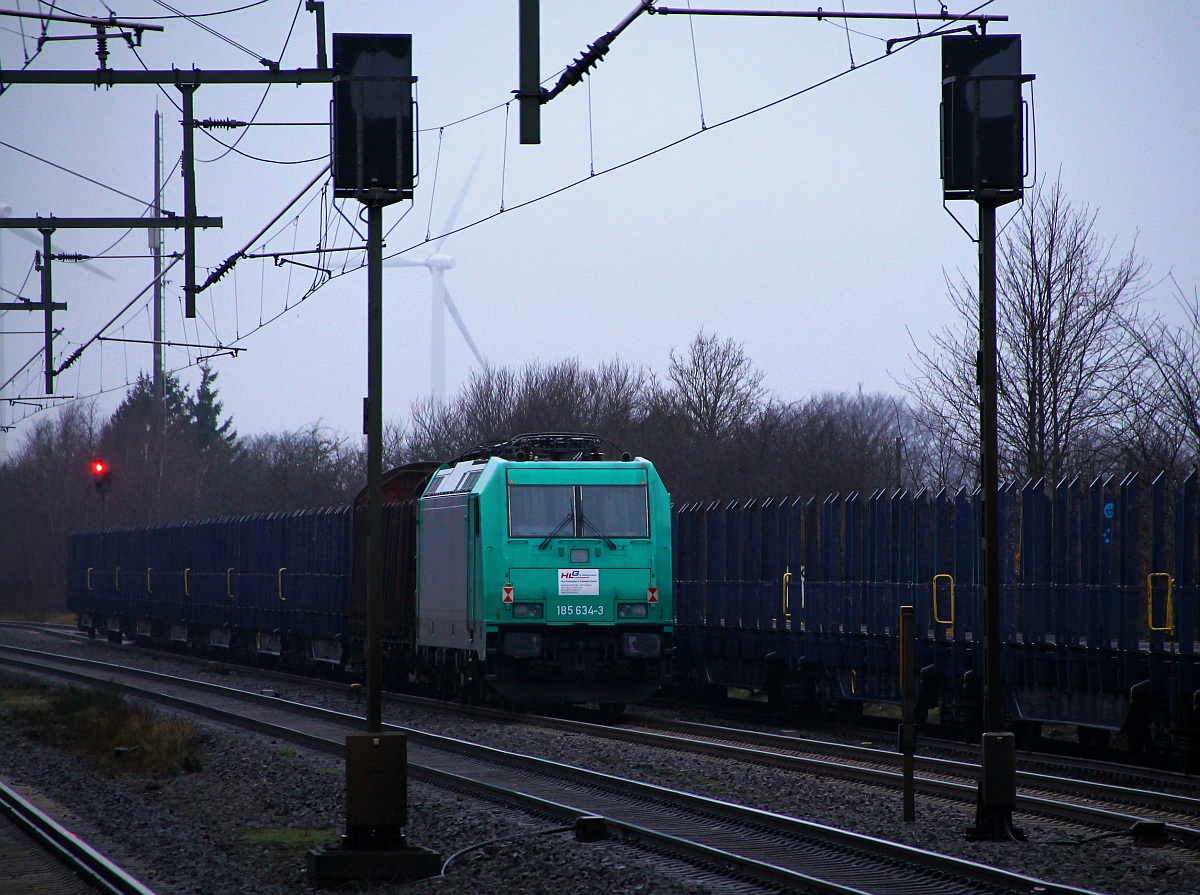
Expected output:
{"points": [[812, 231]]}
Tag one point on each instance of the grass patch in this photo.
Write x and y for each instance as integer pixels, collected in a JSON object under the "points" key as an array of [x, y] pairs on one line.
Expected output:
{"points": [[99, 724], [747, 695], [20, 698], [285, 842]]}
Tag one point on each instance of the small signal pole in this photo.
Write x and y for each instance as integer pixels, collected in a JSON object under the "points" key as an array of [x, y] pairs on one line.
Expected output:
{"points": [[156, 247], [373, 163], [983, 160], [908, 692]]}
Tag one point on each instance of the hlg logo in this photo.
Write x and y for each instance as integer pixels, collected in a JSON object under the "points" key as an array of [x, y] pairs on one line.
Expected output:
{"points": [[570, 573]]}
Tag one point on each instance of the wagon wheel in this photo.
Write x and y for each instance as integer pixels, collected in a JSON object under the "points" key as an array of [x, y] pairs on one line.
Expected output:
{"points": [[1093, 740], [1162, 732], [611, 712]]}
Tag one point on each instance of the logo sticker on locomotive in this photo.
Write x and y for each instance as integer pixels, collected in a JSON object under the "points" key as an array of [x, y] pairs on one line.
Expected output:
{"points": [[579, 582]]}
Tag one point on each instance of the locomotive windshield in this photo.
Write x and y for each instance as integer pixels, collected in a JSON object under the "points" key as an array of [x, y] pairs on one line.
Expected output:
{"points": [[618, 511], [535, 511], [578, 511]]}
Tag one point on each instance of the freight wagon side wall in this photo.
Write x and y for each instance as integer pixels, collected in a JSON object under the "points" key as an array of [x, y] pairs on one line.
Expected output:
{"points": [[1098, 591], [285, 572], [399, 573]]}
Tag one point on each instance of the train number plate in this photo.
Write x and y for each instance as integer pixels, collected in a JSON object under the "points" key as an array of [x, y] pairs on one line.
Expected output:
{"points": [[580, 610]]}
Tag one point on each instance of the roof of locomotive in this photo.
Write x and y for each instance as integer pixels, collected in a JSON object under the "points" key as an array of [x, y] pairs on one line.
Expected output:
{"points": [[472, 470], [552, 446]]}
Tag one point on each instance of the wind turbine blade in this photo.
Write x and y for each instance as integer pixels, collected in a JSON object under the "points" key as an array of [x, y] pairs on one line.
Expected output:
{"points": [[37, 241], [462, 327], [400, 261], [457, 207]]}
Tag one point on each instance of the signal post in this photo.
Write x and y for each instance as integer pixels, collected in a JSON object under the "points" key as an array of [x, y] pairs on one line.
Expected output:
{"points": [[373, 163], [983, 159]]}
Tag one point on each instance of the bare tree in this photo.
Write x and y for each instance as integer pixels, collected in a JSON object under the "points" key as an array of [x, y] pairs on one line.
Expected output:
{"points": [[436, 431], [314, 466], [1063, 303], [1172, 384], [497, 403], [45, 493], [716, 387]]}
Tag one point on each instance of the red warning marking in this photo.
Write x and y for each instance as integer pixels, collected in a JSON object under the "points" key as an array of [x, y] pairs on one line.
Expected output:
{"points": [[508, 593], [652, 595]]}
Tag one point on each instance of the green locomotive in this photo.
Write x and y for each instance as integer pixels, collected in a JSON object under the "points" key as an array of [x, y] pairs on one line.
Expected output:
{"points": [[544, 574]]}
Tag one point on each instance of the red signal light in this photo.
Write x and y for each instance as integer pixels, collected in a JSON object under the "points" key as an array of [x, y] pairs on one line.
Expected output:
{"points": [[101, 471]]}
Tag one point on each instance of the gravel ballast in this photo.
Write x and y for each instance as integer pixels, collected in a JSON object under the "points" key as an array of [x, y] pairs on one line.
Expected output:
{"points": [[218, 830]]}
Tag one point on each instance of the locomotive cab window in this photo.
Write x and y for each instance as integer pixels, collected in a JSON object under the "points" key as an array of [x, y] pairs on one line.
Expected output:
{"points": [[534, 511], [578, 511], [618, 511]]}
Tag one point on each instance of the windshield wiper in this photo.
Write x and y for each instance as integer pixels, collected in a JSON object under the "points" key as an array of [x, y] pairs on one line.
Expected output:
{"points": [[607, 540], [567, 518]]}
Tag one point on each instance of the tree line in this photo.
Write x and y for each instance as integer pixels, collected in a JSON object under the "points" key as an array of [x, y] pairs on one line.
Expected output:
{"points": [[1094, 380]]}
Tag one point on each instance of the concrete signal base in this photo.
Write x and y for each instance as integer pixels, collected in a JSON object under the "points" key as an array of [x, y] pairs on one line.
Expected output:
{"points": [[374, 848], [344, 865]]}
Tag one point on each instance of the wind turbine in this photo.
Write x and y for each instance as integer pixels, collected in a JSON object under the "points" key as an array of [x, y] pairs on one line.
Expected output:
{"points": [[437, 263]]}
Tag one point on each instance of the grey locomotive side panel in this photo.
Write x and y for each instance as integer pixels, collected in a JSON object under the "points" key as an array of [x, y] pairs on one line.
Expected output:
{"points": [[442, 593]]}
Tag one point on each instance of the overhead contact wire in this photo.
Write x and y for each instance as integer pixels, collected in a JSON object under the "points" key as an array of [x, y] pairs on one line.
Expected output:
{"points": [[687, 137], [215, 33], [233, 147]]}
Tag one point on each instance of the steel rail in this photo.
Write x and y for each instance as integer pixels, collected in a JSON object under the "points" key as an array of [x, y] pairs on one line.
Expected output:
{"points": [[1185, 806], [722, 833], [94, 868], [874, 767], [1053, 766]]}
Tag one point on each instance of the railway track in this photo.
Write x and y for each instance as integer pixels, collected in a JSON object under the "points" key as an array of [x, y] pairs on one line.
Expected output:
{"points": [[38, 855], [1083, 801], [1071, 791], [1052, 764], [749, 843]]}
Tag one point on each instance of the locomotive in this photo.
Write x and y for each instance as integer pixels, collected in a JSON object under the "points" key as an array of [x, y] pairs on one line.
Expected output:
{"points": [[533, 571]]}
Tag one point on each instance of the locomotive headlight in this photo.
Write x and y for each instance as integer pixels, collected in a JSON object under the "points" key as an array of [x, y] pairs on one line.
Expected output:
{"points": [[641, 646], [527, 610], [632, 610]]}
